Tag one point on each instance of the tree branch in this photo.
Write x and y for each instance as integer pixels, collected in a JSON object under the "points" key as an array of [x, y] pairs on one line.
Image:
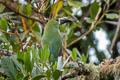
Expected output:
{"points": [[108, 68], [115, 36], [13, 8], [93, 26]]}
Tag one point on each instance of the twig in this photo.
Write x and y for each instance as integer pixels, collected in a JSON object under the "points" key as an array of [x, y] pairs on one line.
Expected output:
{"points": [[70, 75], [20, 41], [115, 36], [30, 29], [63, 48], [36, 37], [47, 2], [10, 33]]}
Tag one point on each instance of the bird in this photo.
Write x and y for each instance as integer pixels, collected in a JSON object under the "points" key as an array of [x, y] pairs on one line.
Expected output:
{"points": [[52, 38], [64, 20]]}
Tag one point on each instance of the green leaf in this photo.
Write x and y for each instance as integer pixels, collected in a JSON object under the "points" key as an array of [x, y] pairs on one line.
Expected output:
{"points": [[22, 36], [27, 9], [89, 20], [19, 76], [48, 73], [113, 22], [84, 57], [76, 4], [113, 1], [28, 61], [3, 24], [14, 39], [1, 78], [1, 0], [3, 37], [10, 66], [94, 8], [74, 54], [44, 54], [57, 74], [55, 66], [2, 8], [57, 7], [35, 1], [112, 16], [17, 65], [35, 55], [16, 47], [107, 1], [38, 77], [67, 10], [36, 28], [26, 77], [62, 28], [9, 79], [38, 34], [20, 57]]}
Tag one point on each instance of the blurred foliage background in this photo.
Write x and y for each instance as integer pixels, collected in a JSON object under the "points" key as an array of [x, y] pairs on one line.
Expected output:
{"points": [[22, 24]]}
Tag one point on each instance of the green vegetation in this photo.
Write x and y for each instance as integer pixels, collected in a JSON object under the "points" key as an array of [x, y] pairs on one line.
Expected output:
{"points": [[51, 39]]}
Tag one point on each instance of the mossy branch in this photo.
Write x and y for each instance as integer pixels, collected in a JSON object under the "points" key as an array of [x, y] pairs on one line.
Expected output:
{"points": [[108, 68]]}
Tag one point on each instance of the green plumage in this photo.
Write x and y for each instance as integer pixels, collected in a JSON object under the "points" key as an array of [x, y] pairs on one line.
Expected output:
{"points": [[52, 38]]}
